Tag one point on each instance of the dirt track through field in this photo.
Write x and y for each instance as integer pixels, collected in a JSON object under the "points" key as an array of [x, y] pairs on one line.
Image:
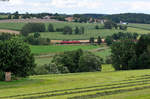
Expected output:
{"points": [[9, 31]]}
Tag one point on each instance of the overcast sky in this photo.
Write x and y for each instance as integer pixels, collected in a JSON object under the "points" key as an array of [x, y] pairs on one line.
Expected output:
{"points": [[77, 6]]}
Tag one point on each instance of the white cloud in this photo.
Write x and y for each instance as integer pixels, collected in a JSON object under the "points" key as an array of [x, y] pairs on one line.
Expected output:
{"points": [[76, 6], [16, 2], [140, 5], [86, 4]]}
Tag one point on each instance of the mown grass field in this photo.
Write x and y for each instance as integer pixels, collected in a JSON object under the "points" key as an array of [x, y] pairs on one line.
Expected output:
{"points": [[140, 26], [18, 26], [107, 84], [12, 26], [3, 16], [90, 30], [86, 36], [140, 31]]}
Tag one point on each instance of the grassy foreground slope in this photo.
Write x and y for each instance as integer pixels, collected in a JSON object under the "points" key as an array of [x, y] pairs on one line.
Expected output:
{"points": [[107, 84]]}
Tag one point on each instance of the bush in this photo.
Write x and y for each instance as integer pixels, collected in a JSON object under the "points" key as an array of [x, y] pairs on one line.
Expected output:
{"points": [[92, 40], [123, 27], [36, 35], [51, 68], [82, 30], [32, 27], [63, 69], [67, 30], [108, 60], [99, 40], [109, 40], [89, 63], [73, 61], [51, 28], [77, 31], [110, 25], [59, 29], [96, 27], [34, 40], [40, 70]]}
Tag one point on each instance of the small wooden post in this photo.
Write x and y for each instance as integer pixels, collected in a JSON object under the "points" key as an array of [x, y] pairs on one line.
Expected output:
{"points": [[7, 76]]}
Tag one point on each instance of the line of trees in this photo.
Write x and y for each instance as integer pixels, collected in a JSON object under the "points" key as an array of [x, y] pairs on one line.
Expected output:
{"points": [[99, 40], [117, 36], [32, 27], [40, 27], [36, 39], [69, 30]]}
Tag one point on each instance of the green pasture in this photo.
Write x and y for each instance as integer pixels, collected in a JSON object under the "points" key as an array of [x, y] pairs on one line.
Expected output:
{"points": [[90, 30], [12, 26], [90, 33], [3, 16], [86, 36], [42, 61], [44, 54], [18, 26], [140, 26], [108, 84], [138, 30], [104, 53], [47, 59], [60, 48]]}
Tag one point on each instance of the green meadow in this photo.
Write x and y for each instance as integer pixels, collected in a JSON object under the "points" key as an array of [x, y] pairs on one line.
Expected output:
{"points": [[90, 30], [12, 26], [43, 54], [107, 84], [141, 26], [3, 16], [60, 48]]}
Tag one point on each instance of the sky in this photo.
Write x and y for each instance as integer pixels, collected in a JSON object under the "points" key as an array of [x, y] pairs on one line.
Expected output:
{"points": [[76, 6]]}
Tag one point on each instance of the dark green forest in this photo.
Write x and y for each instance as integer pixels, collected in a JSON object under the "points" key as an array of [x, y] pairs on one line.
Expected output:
{"points": [[129, 17]]}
